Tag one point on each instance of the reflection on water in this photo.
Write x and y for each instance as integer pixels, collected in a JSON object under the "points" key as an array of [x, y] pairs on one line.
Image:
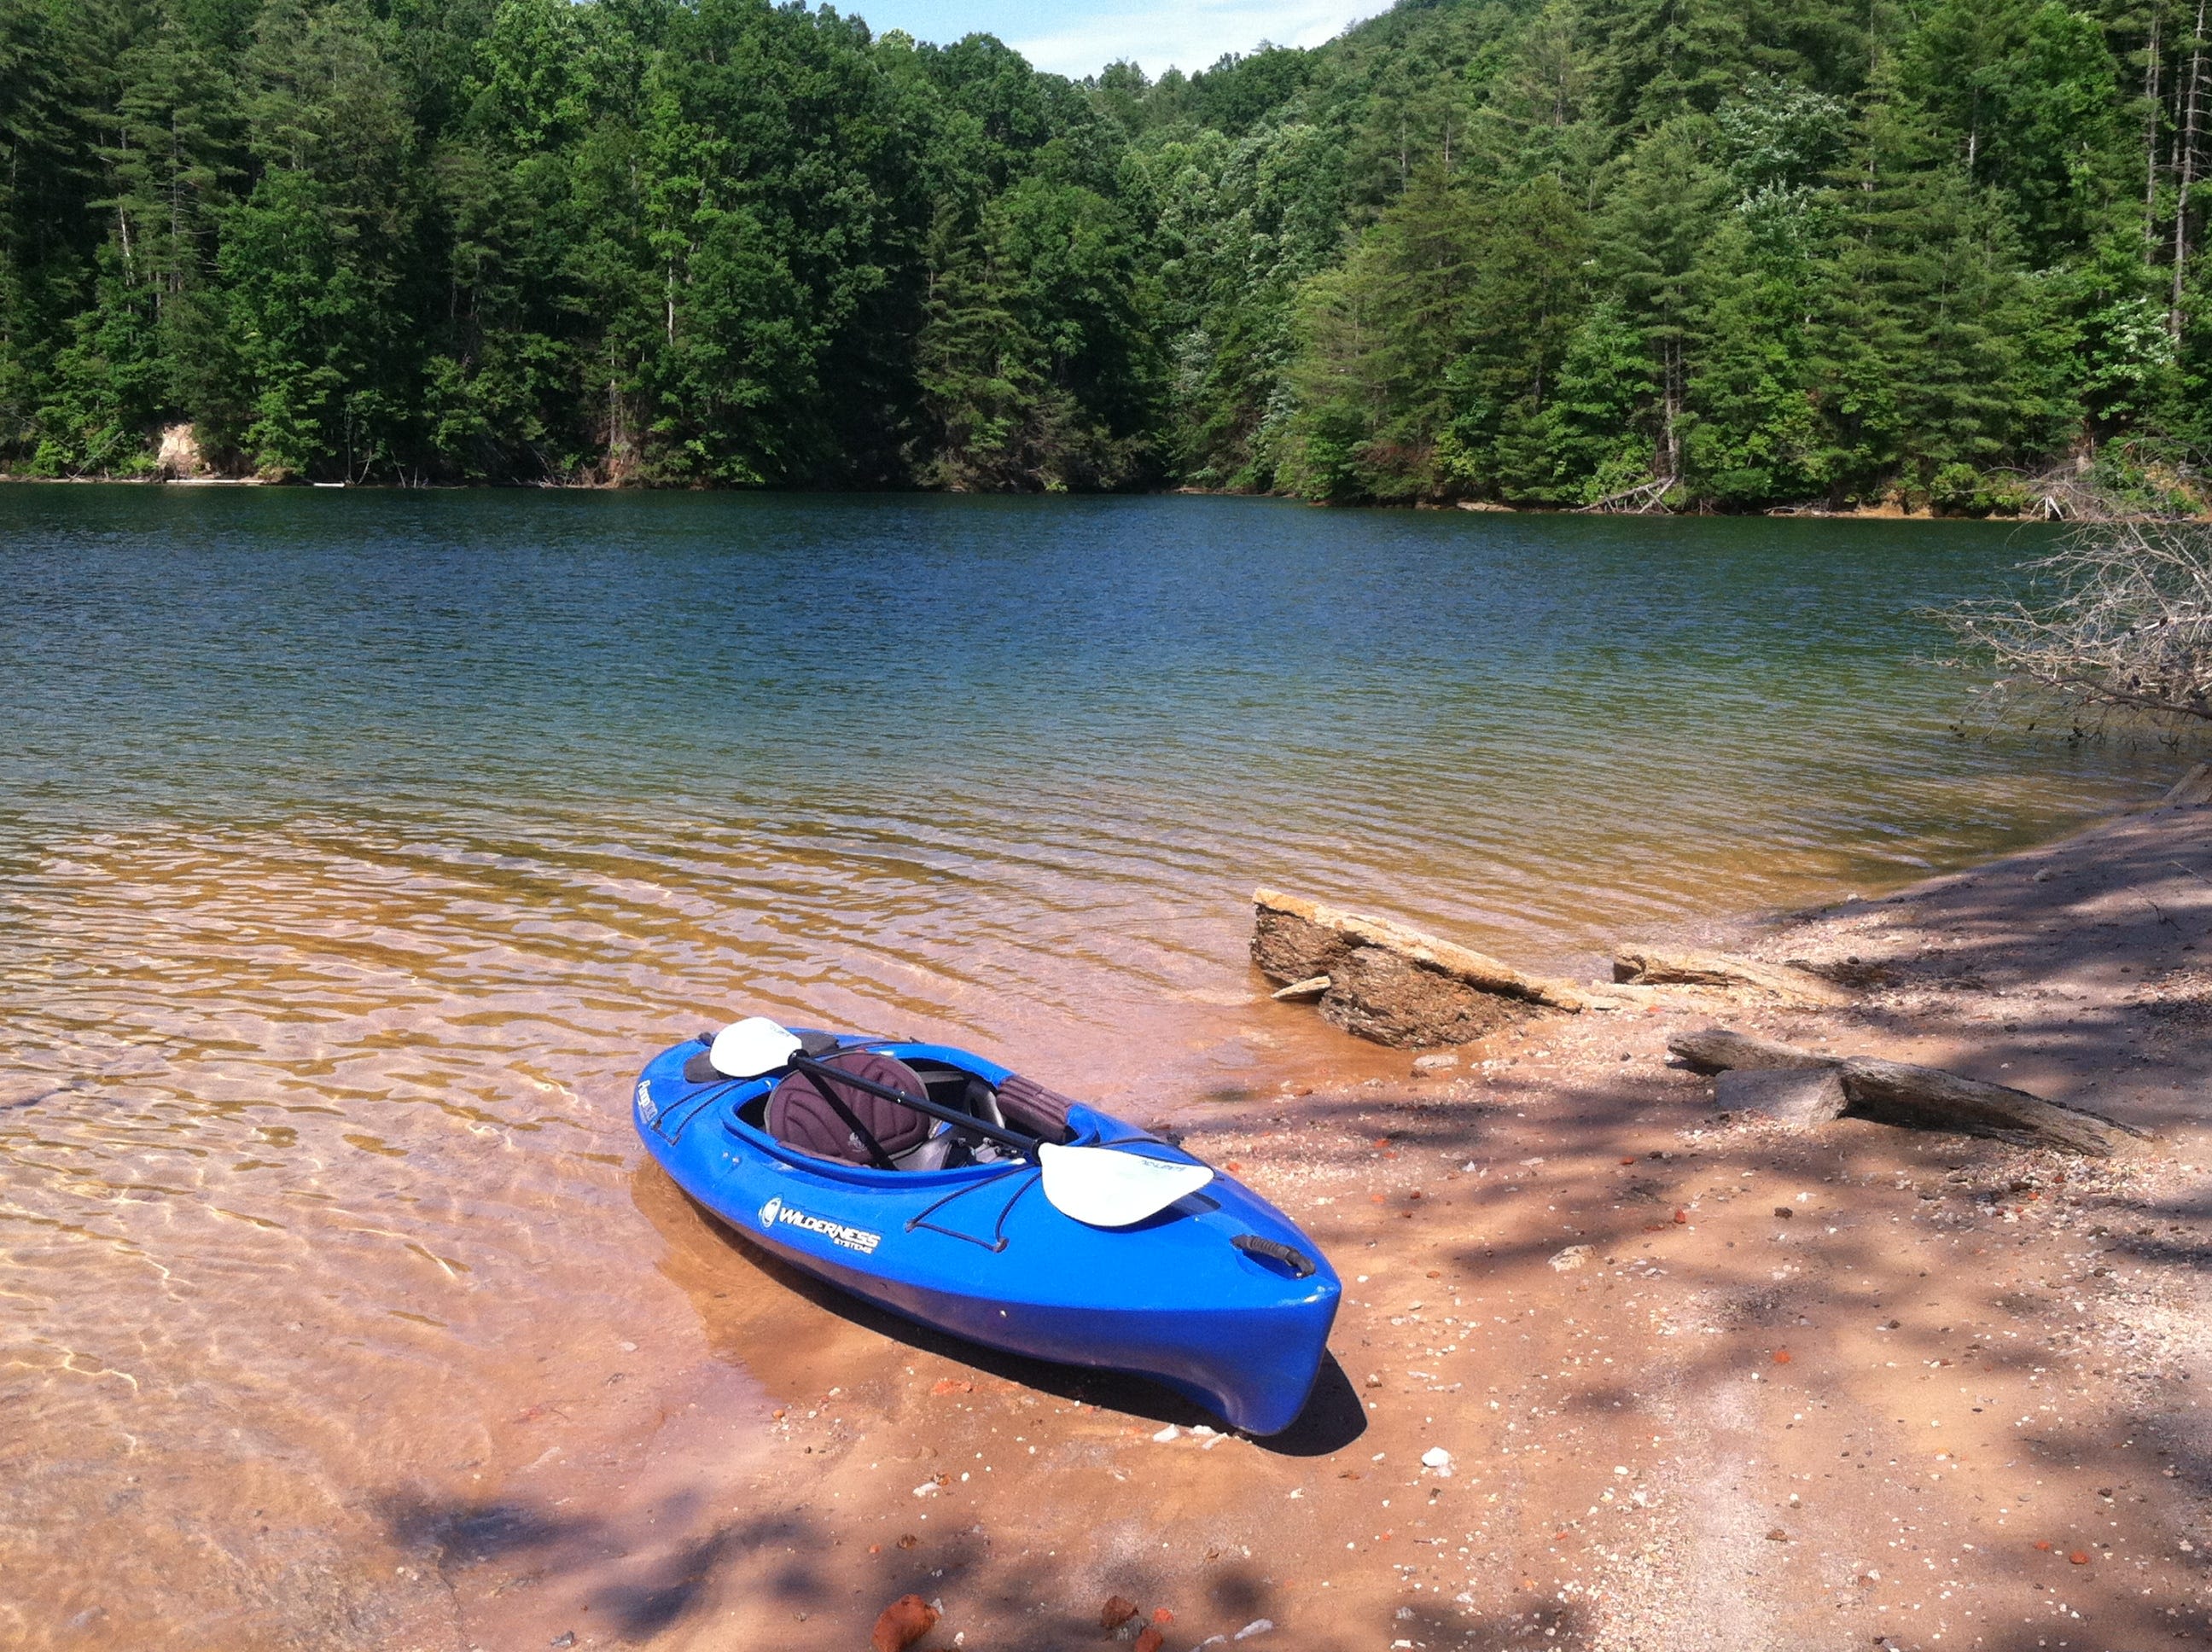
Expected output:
{"points": [[354, 850]]}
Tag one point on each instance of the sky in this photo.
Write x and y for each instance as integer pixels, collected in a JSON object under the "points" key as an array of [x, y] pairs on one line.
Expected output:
{"points": [[1081, 37]]}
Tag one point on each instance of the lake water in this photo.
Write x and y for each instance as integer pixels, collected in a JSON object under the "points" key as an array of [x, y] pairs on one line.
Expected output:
{"points": [[355, 849]]}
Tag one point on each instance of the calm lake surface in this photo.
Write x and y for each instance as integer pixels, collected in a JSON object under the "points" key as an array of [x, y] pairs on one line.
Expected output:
{"points": [[355, 849]]}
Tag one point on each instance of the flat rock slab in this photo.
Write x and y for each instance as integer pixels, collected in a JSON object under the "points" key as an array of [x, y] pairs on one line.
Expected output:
{"points": [[1801, 1098], [1388, 999], [1295, 939], [1393, 985]]}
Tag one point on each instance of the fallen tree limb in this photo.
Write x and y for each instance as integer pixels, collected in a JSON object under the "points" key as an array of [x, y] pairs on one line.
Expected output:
{"points": [[2192, 791], [1652, 965], [1916, 1097], [1928, 1098], [1640, 500], [1716, 1050]]}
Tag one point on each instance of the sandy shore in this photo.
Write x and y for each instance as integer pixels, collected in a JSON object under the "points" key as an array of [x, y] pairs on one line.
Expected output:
{"points": [[1865, 1387]]}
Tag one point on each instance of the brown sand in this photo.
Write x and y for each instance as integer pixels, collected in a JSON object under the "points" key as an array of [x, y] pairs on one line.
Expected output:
{"points": [[1953, 1397]]}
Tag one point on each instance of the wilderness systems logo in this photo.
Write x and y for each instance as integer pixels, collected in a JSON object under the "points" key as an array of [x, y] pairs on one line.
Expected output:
{"points": [[836, 1233], [646, 1110]]}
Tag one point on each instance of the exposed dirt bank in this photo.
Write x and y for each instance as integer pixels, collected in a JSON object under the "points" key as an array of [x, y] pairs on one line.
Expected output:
{"points": [[1862, 1387]]}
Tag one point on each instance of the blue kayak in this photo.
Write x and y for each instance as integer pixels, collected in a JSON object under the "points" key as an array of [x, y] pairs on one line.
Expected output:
{"points": [[1219, 1297]]}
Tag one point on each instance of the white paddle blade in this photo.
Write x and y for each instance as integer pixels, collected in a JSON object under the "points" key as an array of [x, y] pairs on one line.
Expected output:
{"points": [[1104, 1188], [748, 1048]]}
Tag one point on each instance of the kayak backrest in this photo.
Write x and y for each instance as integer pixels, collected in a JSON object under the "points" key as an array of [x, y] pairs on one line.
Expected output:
{"points": [[1028, 1105], [799, 1115]]}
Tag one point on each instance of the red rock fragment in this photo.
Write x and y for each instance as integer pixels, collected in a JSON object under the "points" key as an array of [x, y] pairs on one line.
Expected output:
{"points": [[1162, 1615], [1233, 1167], [1782, 1356], [2043, 1548], [2080, 1557], [952, 1385], [1117, 1611], [1681, 1215], [904, 1621], [1151, 1641]]}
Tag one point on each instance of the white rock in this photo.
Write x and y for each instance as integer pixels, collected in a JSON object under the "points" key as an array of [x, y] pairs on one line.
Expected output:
{"points": [[1573, 1257], [927, 1488], [1170, 1432], [1436, 1457], [1257, 1627]]}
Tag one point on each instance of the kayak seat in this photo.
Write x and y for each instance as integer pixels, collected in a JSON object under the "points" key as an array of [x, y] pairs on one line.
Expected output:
{"points": [[1028, 1105], [856, 1126]]}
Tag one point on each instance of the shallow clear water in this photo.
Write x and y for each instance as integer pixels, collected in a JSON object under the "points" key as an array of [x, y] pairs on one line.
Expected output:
{"points": [[355, 849]]}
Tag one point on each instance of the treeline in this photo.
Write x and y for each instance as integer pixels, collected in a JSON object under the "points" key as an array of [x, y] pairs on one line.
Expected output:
{"points": [[1724, 251]]}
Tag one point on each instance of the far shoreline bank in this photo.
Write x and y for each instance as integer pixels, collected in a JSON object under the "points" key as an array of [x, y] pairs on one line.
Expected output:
{"points": [[1885, 510]]}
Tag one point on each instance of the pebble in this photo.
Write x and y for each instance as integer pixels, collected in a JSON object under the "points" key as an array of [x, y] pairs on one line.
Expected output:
{"points": [[1573, 1257], [1117, 1611], [1170, 1432], [1437, 1458], [1257, 1627]]}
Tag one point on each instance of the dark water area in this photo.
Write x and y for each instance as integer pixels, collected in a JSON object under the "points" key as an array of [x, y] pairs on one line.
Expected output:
{"points": [[355, 849]]}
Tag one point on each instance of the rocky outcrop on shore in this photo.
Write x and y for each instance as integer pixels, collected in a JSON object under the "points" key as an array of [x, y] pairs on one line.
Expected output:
{"points": [[1391, 984]]}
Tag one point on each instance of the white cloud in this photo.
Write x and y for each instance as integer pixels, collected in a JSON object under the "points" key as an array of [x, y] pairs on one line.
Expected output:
{"points": [[1190, 36]]}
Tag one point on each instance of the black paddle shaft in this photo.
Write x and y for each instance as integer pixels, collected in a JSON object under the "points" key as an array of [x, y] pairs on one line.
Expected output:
{"points": [[1005, 1138]]}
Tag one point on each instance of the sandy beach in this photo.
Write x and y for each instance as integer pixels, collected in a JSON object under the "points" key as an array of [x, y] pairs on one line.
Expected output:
{"points": [[1858, 1387]]}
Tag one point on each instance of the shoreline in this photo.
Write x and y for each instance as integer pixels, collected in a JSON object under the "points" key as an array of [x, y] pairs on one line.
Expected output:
{"points": [[1885, 510], [1947, 1396]]}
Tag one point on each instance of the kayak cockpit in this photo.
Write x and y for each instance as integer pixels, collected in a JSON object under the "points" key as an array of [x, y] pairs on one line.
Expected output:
{"points": [[816, 1116]]}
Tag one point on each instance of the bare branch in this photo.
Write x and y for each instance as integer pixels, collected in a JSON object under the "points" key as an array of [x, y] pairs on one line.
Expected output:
{"points": [[2119, 618]]}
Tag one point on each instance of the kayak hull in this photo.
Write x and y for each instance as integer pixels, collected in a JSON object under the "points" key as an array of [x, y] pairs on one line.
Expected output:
{"points": [[1200, 1297]]}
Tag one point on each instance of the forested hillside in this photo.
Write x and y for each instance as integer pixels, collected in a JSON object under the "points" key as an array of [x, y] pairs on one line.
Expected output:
{"points": [[1735, 253]]}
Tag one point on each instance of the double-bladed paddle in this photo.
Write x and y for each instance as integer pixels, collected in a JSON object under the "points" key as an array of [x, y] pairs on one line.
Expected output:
{"points": [[1100, 1186]]}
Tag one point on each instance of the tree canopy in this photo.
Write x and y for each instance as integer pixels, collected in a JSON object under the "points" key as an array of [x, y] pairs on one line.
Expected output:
{"points": [[1543, 251]]}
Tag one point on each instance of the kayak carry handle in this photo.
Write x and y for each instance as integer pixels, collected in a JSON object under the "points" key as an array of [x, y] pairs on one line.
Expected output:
{"points": [[1274, 1250]]}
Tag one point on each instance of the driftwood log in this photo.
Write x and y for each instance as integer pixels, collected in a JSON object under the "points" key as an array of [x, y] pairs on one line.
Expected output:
{"points": [[2192, 791], [1652, 966], [1896, 1092], [1391, 984]]}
